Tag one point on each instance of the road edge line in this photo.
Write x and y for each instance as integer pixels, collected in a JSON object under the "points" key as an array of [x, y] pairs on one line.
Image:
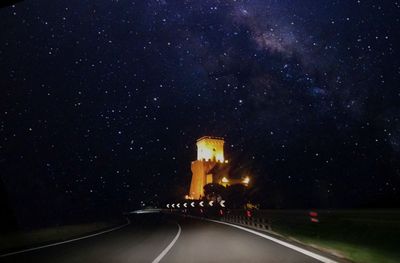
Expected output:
{"points": [[168, 248], [66, 241], [280, 242]]}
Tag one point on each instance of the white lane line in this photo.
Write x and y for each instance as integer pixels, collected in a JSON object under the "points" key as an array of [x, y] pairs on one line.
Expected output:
{"points": [[168, 248], [283, 243], [67, 241], [145, 211]]}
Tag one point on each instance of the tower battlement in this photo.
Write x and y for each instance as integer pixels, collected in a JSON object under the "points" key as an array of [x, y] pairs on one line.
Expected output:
{"points": [[210, 149]]}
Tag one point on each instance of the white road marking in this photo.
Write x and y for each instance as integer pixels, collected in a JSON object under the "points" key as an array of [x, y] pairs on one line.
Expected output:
{"points": [[67, 241], [146, 211], [283, 243], [168, 248]]}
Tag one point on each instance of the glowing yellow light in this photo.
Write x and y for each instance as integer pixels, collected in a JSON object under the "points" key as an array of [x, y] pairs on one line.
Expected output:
{"points": [[225, 180], [246, 180]]}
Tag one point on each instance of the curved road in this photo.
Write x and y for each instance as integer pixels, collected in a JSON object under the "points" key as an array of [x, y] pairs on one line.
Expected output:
{"points": [[166, 238]]}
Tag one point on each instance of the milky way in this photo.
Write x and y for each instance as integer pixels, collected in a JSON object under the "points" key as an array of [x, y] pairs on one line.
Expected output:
{"points": [[101, 102]]}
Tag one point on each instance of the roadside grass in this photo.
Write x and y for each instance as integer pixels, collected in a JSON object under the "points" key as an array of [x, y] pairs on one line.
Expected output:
{"points": [[361, 236], [351, 251], [17, 241]]}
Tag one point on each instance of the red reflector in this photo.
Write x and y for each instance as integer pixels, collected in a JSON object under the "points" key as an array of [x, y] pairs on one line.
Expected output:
{"points": [[221, 212], [248, 213], [313, 214]]}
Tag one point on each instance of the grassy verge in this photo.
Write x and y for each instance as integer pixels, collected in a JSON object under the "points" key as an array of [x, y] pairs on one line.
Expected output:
{"points": [[361, 236], [356, 253], [16, 241]]}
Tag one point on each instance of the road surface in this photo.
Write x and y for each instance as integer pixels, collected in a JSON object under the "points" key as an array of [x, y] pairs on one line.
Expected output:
{"points": [[166, 238]]}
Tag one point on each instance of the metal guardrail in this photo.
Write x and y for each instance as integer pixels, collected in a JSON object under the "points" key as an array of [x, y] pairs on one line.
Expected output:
{"points": [[254, 222]]}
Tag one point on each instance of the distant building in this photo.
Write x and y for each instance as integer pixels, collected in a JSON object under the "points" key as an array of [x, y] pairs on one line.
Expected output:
{"points": [[210, 167]]}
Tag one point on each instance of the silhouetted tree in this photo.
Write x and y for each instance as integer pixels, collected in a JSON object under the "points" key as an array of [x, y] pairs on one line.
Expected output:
{"points": [[8, 222], [214, 191], [236, 195]]}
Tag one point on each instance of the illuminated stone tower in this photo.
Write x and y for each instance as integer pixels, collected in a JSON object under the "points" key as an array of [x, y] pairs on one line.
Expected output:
{"points": [[210, 152]]}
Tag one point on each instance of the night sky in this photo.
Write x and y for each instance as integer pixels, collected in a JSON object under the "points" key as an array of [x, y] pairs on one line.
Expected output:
{"points": [[101, 102]]}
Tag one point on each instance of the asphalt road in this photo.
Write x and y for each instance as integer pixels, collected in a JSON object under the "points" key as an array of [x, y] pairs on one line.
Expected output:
{"points": [[166, 238]]}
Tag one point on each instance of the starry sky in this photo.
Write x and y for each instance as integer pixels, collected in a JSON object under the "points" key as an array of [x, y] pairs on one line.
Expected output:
{"points": [[101, 102]]}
